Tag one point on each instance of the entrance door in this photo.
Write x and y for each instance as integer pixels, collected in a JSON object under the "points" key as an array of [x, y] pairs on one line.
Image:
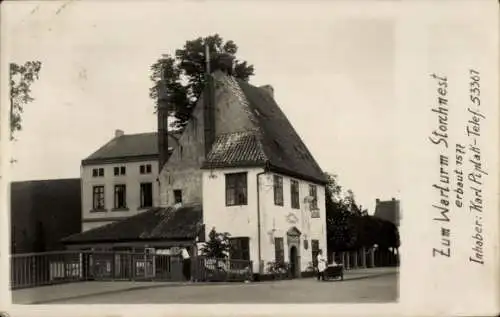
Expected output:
{"points": [[293, 261]]}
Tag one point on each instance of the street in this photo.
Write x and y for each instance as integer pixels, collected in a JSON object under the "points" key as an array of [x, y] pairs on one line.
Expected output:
{"points": [[378, 288]]}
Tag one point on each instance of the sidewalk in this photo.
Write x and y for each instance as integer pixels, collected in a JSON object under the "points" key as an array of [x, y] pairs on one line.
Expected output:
{"points": [[50, 293], [356, 274], [53, 293]]}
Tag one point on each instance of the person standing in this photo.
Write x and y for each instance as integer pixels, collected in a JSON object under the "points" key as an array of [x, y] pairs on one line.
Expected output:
{"points": [[321, 265], [186, 264]]}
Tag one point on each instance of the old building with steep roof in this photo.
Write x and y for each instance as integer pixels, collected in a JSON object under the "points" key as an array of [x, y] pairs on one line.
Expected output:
{"points": [[239, 167]]}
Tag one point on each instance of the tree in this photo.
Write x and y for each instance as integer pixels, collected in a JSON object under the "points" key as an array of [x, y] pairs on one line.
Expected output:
{"points": [[349, 227], [20, 79], [217, 245], [183, 75], [339, 226]]}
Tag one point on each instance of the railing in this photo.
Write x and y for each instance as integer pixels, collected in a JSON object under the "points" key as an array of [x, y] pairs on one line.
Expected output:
{"points": [[211, 269], [37, 269], [366, 258]]}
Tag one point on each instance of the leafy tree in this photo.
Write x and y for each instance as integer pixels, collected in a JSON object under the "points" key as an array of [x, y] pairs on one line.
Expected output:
{"points": [[217, 245], [20, 79], [349, 227], [339, 226], [183, 75]]}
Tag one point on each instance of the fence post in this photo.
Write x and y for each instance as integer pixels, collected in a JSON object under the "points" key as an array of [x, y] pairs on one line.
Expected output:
{"points": [[372, 257], [113, 265], [131, 266], [397, 257], [363, 257]]}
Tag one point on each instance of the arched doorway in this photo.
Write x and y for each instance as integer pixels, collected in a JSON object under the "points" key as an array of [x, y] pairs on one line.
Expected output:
{"points": [[294, 265], [293, 241]]}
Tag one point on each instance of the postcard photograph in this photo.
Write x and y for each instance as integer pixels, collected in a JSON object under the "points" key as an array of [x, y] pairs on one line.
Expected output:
{"points": [[180, 153]]}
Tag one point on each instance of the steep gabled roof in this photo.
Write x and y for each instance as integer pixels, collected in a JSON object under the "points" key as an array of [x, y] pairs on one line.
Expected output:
{"points": [[274, 142], [129, 147], [388, 210], [164, 224]]}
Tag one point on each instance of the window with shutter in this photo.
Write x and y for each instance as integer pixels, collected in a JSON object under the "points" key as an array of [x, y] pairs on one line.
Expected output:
{"points": [[236, 189], [278, 190], [315, 251], [239, 248], [279, 250], [294, 189]]}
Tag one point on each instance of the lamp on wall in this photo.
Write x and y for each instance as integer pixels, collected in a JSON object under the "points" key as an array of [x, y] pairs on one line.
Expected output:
{"points": [[271, 235]]}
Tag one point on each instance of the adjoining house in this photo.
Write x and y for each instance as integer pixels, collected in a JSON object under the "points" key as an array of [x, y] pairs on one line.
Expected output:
{"points": [[120, 179], [43, 212], [241, 161], [158, 228], [388, 210]]}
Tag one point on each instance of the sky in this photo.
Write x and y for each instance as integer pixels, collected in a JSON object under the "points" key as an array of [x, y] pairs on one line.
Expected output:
{"points": [[332, 75]]}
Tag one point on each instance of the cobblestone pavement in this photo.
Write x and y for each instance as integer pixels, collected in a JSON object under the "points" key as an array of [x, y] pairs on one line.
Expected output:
{"points": [[368, 286]]}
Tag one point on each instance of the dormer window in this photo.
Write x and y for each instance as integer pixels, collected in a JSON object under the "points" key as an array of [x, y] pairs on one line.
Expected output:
{"points": [[177, 196]]}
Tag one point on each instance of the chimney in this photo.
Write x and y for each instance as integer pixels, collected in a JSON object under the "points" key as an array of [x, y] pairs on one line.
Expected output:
{"points": [[162, 114], [377, 201], [119, 133], [208, 105], [393, 199], [269, 89]]}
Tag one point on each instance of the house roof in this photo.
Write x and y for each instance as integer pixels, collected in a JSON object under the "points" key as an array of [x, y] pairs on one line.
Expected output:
{"points": [[388, 210], [172, 223], [274, 143], [129, 146]]}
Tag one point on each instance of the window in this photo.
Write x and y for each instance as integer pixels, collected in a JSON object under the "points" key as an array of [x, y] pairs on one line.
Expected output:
{"points": [[315, 250], [278, 190], [119, 170], [98, 172], [98, 197], [239, 248], [146, 195], [145, 169], [236, 189], [294, 191], [177, 196], [120, 197], [279, 250], [313, 192]]}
